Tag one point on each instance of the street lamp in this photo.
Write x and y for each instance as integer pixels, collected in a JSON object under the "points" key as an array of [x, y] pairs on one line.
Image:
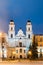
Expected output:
{"points": [[14, 52], [30, 53]]}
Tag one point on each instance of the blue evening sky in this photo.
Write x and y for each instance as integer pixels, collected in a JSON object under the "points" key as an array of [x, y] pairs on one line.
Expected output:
{"points": [[20, 11]]}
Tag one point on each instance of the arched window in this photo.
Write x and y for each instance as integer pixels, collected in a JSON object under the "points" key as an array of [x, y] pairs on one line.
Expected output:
{"points": [[24, 51], [20, 50], [3, 40], [20, 44], [28, 29], [29, 36], [11, 28], [40, 53], [2, 47], [11, 35]]}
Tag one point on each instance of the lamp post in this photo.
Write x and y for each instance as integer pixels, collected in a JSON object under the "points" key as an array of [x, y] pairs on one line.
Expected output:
{"points": [[13, 54], [30, 54]]}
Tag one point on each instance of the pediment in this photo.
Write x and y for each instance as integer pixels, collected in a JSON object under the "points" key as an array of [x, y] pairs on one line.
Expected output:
{"points": [[20, 33]]}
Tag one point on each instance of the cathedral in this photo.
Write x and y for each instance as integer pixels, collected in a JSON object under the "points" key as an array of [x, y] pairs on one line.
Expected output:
{"points": [[16, 45]]}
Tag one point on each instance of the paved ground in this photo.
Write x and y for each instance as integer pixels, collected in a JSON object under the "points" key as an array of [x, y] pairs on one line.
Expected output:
{"points": [[22, 63]]}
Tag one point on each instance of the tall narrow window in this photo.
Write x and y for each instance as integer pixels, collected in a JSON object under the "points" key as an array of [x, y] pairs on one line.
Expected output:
{"points": [[2, 47], [20, 56], [29, 36], [16, 51], [40, 53], [11, 35], [24, 51], [28, 29], [20, 50], [3, 40], [20, 44], [11, 28]]}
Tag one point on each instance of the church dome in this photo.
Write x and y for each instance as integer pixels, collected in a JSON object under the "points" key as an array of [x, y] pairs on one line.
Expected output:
{"points": [[28, 21], [11, 22]]}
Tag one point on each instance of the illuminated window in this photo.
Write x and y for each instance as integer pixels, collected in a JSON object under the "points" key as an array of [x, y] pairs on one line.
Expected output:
{"points": [[40, 53]]}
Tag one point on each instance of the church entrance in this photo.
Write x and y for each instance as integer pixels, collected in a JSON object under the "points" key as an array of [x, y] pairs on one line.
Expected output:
{"points": [[21, 56]]}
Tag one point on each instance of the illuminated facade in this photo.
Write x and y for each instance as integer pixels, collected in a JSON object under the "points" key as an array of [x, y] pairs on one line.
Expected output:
{"points": [[39, 41], [3, 45], [16, 45]]}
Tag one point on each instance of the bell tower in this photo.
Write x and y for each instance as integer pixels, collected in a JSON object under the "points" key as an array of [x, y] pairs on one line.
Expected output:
{"points": [[29, 30], [11, 31]]}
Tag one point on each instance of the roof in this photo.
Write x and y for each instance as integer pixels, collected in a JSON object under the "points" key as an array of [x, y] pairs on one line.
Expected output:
{"points": [[39, 34], [20, 33], [11, 21], [28, 20]]}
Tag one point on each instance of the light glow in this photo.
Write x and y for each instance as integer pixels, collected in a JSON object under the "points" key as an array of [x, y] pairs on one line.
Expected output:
{"points": [[30, 53], [14, 52], [0, 34]]}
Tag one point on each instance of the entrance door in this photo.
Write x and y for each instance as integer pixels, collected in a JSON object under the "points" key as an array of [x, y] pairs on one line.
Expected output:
{"points": [[20, 56]]}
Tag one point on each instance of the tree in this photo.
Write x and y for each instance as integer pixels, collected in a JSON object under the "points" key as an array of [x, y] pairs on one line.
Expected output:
{"points": [[29, 55], [33, 49]]}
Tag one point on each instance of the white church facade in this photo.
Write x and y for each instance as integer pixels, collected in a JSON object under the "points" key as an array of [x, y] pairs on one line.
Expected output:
{"points": [[16, 45]]}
